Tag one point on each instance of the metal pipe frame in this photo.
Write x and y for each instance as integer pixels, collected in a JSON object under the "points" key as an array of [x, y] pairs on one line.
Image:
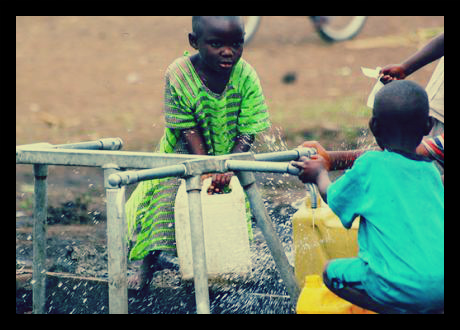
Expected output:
{"points": [[201, 166], [116, 245], [44, 153], [39, 239], [192, 171], [40, 211], [200, 273], [156, 165]]}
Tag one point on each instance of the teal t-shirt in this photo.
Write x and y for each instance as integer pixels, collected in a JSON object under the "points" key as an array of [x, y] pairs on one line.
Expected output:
{"points": [[401, 234]]}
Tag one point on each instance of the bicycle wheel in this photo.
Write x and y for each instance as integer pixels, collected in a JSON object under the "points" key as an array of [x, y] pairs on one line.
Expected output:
{"points": [[338, 28], [251, 24]]}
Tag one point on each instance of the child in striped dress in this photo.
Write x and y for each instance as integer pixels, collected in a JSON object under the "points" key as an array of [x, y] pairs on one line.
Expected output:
{"points": [[214, 105]]}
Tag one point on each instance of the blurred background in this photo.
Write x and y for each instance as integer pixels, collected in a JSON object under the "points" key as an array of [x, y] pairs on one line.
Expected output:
{"points": [[83, 78]]}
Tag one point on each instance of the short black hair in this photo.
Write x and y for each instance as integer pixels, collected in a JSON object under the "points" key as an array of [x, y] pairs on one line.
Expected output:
{"points": [[401, 109], [197, 23], [401, 101]]}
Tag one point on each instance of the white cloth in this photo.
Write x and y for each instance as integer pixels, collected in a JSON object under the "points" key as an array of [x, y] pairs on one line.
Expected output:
{"points": [[435, 91]]}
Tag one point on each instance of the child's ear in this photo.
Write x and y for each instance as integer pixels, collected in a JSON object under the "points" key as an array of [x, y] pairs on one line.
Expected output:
{"points": [[374, 127], [193, 40], [429, 125]]}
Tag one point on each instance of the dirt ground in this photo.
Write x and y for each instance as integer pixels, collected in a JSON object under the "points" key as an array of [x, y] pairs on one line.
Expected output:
{"points": [[85, 78]]}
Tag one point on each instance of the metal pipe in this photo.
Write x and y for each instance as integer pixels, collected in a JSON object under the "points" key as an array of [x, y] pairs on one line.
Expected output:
{"points": [[281, 156], [200, 273], [313, 191], [263, 221], [44, 153], [260, 166], [98, 158], [130, 177], [101, 144], [39, 239], [116, 245]]}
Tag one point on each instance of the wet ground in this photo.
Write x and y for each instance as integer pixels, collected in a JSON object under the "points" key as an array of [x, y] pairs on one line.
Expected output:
{"points": [[261, 293], [77, 264]]}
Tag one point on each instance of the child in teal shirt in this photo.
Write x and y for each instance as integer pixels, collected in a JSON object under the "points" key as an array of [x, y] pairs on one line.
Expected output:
{"points": [[399, 197]]}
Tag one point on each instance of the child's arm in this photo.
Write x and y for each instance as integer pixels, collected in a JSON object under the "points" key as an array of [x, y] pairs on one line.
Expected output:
{"points": [[323, 182], [195, 145], [334, 160], [313, 171], [431, 52], [194, 141], [243, 143]]}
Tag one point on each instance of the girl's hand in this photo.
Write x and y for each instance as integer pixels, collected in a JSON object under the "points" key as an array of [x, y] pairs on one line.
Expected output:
{"points": [[219, 181]]}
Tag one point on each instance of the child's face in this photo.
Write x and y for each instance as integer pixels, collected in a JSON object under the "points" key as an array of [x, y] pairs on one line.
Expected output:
{"points": [[221, 43]]}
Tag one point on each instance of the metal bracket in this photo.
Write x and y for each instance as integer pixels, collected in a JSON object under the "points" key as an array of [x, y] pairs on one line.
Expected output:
{"points": [[200, 166]]}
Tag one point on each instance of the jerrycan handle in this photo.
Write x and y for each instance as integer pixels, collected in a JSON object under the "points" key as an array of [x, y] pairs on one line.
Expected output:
{"points": [[313, 190]]}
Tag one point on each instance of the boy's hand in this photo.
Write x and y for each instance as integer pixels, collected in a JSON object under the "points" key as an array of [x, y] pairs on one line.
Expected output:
{"points": [[313, 171], [320, 150], [310, 168]]}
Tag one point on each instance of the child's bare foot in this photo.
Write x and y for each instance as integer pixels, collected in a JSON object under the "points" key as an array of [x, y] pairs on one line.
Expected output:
{"points": [[141, 280], [134, 281]]}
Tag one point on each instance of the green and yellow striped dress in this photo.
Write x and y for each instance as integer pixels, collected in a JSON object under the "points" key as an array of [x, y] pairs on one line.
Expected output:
{"points": [[239, 109]]}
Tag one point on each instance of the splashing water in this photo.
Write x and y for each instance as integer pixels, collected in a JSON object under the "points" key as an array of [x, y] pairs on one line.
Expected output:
{"points": [[260, 292]]}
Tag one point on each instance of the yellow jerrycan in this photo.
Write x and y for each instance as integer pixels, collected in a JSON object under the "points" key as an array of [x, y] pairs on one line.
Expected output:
{"points": [[319, 236], [316, 298]]}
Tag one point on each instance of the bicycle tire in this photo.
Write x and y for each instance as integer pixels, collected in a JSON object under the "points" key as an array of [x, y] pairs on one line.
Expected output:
{"points": [[251, 25], [330, 33]]}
